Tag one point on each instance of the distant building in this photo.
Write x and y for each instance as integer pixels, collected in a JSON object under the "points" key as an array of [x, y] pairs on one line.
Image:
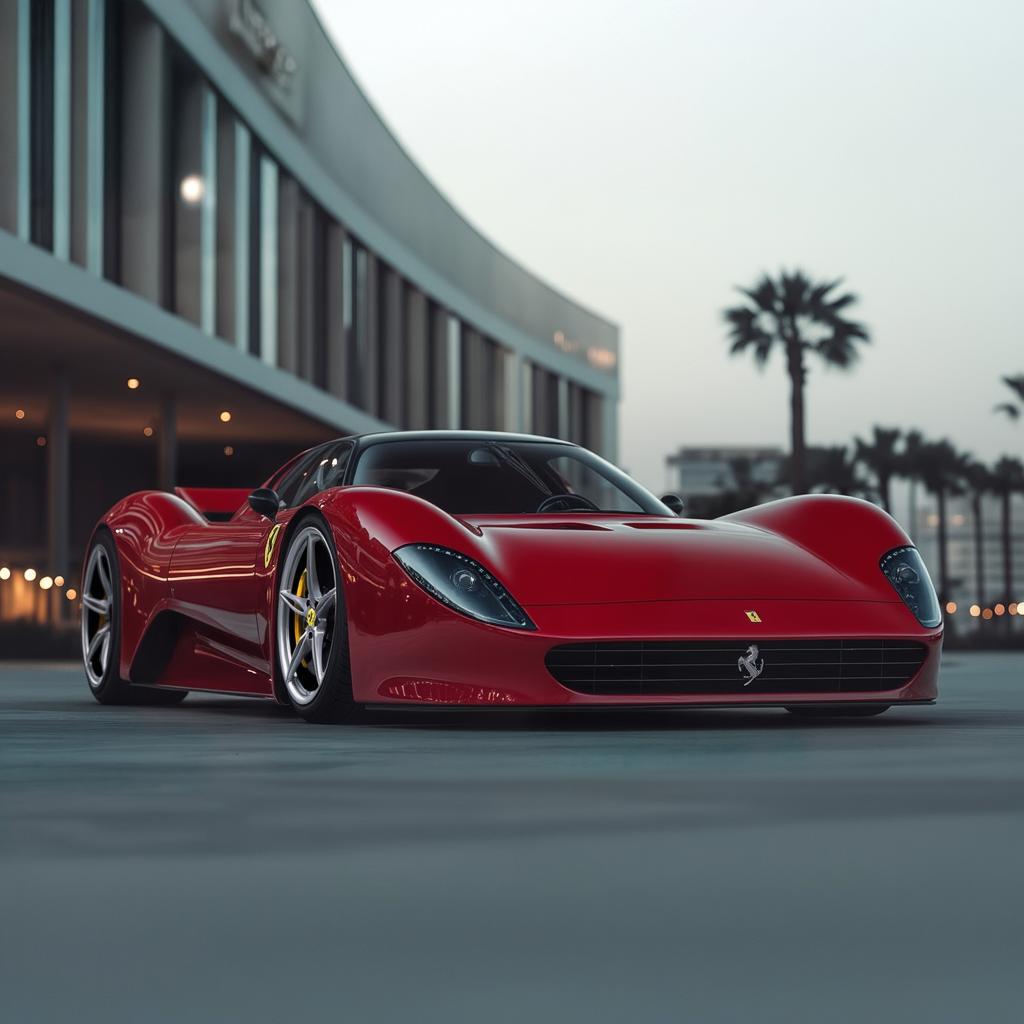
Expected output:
{"points": [[708, 473]]}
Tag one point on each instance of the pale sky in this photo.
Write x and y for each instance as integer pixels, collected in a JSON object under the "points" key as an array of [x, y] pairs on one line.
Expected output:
{"points": [[646, 156]]}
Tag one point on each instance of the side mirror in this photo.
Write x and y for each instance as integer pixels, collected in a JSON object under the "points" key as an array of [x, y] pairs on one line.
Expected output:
{"points": [[265, 502], [674, 502]]}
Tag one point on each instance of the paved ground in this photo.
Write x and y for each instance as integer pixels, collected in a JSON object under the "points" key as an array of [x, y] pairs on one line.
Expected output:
{"points": [[222, 861]]}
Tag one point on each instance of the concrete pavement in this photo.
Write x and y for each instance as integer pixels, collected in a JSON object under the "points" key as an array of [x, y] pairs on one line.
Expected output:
{"points": [[223, 861]]}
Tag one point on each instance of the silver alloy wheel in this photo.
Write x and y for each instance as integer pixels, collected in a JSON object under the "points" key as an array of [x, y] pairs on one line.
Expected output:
{"points": [[306, 603], [97, 615]]}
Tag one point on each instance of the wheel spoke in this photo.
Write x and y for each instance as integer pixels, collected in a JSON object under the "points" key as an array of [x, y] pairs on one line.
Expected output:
{"points": [[96, 604], [105, 651], [99, 638], [101, 568], [312, 580], [301, 648], [326, 602], [318, 655], [296, 603]]}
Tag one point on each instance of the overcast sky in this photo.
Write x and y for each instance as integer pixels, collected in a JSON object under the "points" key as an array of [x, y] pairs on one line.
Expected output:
{"points": [[645, 157]]}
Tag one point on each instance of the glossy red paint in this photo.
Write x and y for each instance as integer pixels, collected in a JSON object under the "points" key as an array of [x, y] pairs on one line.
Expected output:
{"points": [[808, 565], [219, 501]]}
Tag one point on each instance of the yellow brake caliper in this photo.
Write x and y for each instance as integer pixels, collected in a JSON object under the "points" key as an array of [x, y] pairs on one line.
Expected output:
{"points": [[298, 622]]}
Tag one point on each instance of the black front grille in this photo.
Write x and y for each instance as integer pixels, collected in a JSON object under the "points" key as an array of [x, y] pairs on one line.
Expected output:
{"points": [[659, 667]]}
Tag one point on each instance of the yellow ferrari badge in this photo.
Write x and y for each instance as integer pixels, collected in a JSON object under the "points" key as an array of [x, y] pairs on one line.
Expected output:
{"points": [[753, 616], [268, 551]]}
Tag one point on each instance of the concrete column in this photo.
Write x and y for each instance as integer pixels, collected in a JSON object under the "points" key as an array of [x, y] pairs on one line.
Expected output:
{"points": [[392, 365], [513, 375], [417, 366], [58, 449], [96, 136], [144, 160], [62, 129], [609, 427], [288, 275], [437, 406], [167, 452], [473, 381], [563, 407], [337, 306], [454, 361], [15, 116], [268, 260], [526, 397], [367, 329]]}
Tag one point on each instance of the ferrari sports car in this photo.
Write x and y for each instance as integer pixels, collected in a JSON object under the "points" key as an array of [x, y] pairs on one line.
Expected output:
{"points": [[489, 569]]}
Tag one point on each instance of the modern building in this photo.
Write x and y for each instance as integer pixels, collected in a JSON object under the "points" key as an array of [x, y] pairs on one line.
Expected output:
{"points": [[213, 252], [704, 475]]}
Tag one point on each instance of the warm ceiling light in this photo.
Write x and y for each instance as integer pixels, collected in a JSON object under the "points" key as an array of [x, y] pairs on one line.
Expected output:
{"points": [[1012, 609], [193, 188], [29, 574], [975, 610], [40, 441], [133, 383], [5, 573], [1000, 609], [19, 414], [45, 583], [228, 450], [58, 581], [951, 607], [147, 431], [71, 594], [225, 416], [987, 614]]}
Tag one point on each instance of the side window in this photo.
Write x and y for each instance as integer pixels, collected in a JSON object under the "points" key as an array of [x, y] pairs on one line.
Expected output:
{"points": [[326, 469]]}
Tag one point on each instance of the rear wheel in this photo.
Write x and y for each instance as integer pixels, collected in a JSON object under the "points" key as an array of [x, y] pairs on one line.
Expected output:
{"points": [[101, 631], [824, 711], [312, 628]]}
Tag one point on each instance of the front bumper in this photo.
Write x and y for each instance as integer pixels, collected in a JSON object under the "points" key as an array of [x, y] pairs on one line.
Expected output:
{"points": [[433, 655]]}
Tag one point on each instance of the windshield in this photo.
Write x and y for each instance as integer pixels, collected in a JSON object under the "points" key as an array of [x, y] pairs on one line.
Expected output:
{"points": [[484, 477]]}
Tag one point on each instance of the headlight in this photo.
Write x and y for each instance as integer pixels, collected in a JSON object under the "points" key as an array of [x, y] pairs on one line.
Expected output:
{"points": [[905, 570], [462, 584]]}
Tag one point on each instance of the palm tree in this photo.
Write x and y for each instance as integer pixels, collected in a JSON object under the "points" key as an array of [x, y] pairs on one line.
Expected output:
{"points": [[1013, 409], [909, 469], [795, 315], [980, 480], [1008, 480], [941, 470], [832, 470], [881, 457]]}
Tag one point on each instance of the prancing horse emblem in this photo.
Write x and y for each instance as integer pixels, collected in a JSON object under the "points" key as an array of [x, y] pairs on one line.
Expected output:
{"points": [[750, 665]]}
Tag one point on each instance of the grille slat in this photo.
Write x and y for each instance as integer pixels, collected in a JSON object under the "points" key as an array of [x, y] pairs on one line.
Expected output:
{"points": [[655, 667]]}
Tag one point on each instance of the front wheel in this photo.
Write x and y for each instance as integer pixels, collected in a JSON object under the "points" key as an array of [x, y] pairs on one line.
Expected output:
{"points": [[824, 711], [312, 628]]}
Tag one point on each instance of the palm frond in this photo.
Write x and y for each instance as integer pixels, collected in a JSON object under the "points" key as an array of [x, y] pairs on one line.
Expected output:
{"points": [[1009, 409]]}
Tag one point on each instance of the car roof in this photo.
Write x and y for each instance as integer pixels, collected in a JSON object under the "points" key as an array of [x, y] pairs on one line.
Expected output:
{"points": [[365, 440]]}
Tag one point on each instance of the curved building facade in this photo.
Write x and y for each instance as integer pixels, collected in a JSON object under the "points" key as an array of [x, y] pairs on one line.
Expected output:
{"points": [[213, 251]]}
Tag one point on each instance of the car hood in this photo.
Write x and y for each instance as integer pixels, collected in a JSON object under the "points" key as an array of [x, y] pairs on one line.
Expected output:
{"points": [[607, 559]]}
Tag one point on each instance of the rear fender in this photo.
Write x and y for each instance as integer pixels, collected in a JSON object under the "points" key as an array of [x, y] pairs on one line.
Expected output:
{"points": [[145, 527]]}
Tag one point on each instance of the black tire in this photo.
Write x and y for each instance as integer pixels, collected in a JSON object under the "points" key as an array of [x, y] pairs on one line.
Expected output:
{"points": [[824, 711], [109, 687], [332, 702]]}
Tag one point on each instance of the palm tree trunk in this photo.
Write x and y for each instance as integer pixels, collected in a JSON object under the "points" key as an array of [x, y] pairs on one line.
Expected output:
{"points": [[797, 477], [943, 564], [912, 510], [883, 487], [979, 551], [1007, 547]]}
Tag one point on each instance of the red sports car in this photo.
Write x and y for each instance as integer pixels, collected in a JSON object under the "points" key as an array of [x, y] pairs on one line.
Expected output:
{"points": [[471, 568]]}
